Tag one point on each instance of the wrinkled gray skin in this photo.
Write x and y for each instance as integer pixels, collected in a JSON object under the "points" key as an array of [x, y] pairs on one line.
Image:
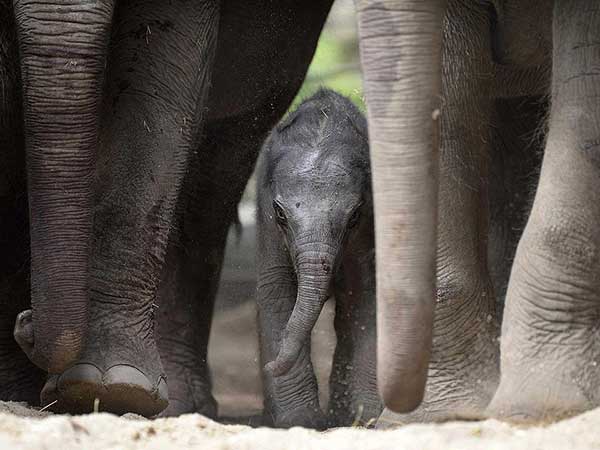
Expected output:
{"points": [[82, 238], [550, 342], [142, 124], [315, 234], [460, 385], [488, 164], [549, 346]]}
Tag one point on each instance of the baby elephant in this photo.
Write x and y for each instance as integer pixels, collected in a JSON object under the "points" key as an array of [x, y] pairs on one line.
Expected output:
{"points": [[316, 240]]}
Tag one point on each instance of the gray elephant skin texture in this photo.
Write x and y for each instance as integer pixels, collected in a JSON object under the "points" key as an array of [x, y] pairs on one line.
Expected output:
{"points": [[140, 122], [315, 241]]}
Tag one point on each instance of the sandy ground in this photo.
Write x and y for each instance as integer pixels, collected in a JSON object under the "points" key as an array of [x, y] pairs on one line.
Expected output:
{"points": [[104, 431], [234, 361]]}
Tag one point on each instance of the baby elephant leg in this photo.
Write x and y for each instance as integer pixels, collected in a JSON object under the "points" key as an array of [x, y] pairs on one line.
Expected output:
{"points": [[290, 399], [354, 399]]}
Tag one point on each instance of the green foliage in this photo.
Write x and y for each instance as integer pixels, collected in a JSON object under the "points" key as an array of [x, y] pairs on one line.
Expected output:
{"points": [[335, 65]]}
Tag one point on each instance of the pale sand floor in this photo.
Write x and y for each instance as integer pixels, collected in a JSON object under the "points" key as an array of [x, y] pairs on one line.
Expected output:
{"points": [[104, 431]]}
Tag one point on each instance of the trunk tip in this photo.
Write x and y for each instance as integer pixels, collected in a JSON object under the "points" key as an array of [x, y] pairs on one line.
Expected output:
{"points": [[53, 354], [402, 397], [286, 359], [278, 367]]}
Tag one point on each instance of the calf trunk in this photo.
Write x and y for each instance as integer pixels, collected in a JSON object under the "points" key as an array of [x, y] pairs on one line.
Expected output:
{"points": [[314, 267]]}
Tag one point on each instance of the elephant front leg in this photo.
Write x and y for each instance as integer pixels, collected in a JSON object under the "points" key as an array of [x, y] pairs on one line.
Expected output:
{"points": [[463, 369], [206, 208], [186, 298], [513, 176], [157, 86], [290, 399], [353, 396], [550, 365]]}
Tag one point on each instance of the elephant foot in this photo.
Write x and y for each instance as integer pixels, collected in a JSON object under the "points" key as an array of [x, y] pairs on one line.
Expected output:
{"points": [[121, 389], [549, 370], [389, 419], [464, 367], [182, 343], [353, 409], [550, 366], [119, 371], [178, 407], [189, 392], [533, 400], [304, 417], [453, 394]]}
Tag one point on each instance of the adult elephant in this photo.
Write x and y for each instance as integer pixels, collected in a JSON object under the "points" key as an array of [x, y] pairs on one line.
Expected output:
{"points": [[142, 124], [549, 341], [488, 161]]}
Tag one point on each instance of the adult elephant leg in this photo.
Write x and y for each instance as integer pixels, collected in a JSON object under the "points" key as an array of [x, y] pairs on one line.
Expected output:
{"points": [[463, 370], [550, 342], [187, 292], [517, 149], [158, 76], [213, 187], [400, 42], [254, 81], [20, 380], [63, 46]]}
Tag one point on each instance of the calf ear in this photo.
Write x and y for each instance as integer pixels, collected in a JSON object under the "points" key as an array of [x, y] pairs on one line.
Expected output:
{"points": [[287, 121]]}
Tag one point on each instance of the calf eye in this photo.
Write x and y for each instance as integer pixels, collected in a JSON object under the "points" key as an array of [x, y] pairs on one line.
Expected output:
{"points": [[279, 214]]}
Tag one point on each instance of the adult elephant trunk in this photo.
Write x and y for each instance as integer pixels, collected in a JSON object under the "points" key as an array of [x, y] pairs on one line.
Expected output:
{"points": [[314, 268], [63, 46], [400, 42]]}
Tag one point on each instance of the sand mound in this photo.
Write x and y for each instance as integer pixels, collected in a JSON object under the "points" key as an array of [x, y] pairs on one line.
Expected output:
{"points": [[22, 428]]}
